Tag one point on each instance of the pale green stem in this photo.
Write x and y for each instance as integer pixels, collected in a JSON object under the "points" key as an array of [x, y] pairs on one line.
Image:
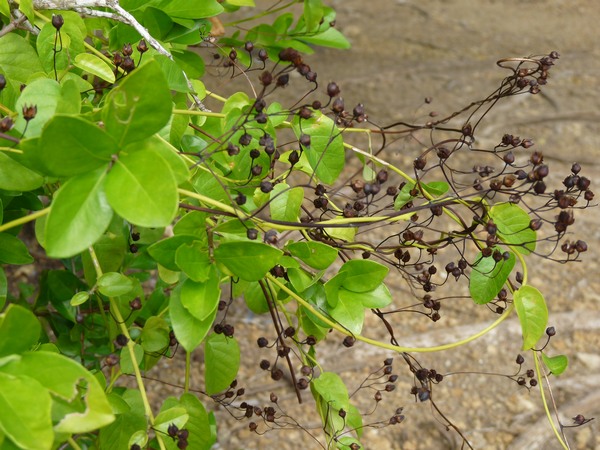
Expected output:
{"points": [[73, 443], [538, 371], [24, 219], [11, 150], [130, 347], [189, 112], [215, 96], [384, 345]]}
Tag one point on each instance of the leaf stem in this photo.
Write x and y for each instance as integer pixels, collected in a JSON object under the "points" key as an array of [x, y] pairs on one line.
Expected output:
{"points": [[24, 219], [538, 372], [190, 112], [384, 345], [188, 366], [116, 312], [73, 443]]}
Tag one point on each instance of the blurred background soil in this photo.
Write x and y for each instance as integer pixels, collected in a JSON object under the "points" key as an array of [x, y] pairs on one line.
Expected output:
{"points": [[402, 52]]}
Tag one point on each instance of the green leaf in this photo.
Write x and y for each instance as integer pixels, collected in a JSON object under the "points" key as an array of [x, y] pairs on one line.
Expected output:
{"points": [[157, 22], [155, 335], [404, 196], [14, 176], [221, 362], [93, 65], [13, 250], [173, 74], [80, 298], [332, 389], [332, 288], [18, 59], [488, 277], [26, 412], [349, 313], [193, 260], [201, 299], [83, 410], [44, 94], [26, 7], [191, 9], [73, 146], [363, 275], [79, 216], [328, 38], [189, 331], [533, 314], [114, 284], [316, 254], [5, 8], [192, 224], [130, 113], [191, 62], [119, 433], [241, 2], [436, 188], [313, 14], [164, 252], [142, 189], [285, 202], [326, 151], [255, 299], [177, 416], [249, 261], [379, 297], [512, 223], [68, 47], [556, 364], [200, 437], [127, 363], [19, 330]]}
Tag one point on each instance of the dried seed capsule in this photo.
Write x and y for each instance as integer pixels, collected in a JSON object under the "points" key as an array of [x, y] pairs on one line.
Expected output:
{"points": [[57, 21]]}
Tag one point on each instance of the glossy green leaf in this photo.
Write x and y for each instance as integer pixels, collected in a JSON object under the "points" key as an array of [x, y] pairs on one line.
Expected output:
{"points": [[404, 196], [189, 330], [44, 94], [380, 297], [155, 335], [332, 288], [19, 330], [93, 65], [80, 298], [26, 412], [151, 189], [328, 38], [556, 364], [192, 224], [201, 298], [173, 74], [193, 260], [533, 314], [513, 227], [316, 254], [249, 261], [14, 176], [286, 202], [73, 146], [80, 214], [200, 437], [157, 22], [5, 8], [332, 389], [326, 151], [241, 2], [83, 410], [129, 113], [177, 416], [191, 62], [221, 362], [68, 47], [18, 59], [363, 275], [348, 313], [436, 188], [164, 251], [13, 250], [255, 299], [169, 154], [488, 277], [313, 14], [114, 284], [191, 9], [119, 433]]}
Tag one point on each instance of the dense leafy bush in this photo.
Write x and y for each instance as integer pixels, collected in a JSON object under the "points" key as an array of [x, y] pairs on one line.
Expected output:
{"points": [[155, 214]]}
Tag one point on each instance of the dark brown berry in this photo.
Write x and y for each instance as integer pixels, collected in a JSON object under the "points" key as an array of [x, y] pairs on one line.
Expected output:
{"points": [[57, 21]]}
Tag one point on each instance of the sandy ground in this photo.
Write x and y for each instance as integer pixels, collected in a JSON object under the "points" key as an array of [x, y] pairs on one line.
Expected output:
{"points": [[404, 51]]}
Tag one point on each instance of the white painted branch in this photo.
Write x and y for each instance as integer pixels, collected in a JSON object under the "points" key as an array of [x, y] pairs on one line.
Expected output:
{"points": [[121, 15]]}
